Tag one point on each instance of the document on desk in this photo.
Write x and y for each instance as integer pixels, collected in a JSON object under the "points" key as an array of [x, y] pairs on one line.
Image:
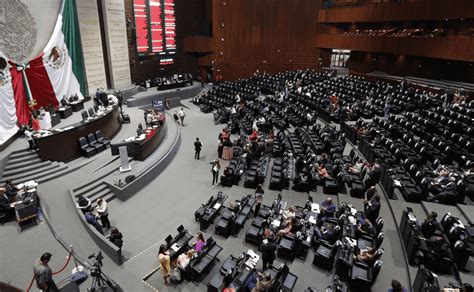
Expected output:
{"points": [[315, 208], [217, 206], [253, 259], [175, 247], [312, 220]]}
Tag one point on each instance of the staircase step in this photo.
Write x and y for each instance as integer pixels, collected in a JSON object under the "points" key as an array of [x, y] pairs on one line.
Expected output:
{"points": [[98, 195], [85, 188], [99, 188], [57, 172], [23, 153], [109, 197], [26, 168], [23, 159], [63, 170], [14, 165], [33, 171]]}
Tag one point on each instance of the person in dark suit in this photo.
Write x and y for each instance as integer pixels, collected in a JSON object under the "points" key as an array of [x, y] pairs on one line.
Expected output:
{"points": [[197, 148], [374, 175], [268, 249], [443, 192], [372, 209], [430, 225], [11, 190], [5, 206]]}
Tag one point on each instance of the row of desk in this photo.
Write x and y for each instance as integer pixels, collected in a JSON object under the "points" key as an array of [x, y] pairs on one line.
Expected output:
{"points": [[200, 261], [67, 139]]}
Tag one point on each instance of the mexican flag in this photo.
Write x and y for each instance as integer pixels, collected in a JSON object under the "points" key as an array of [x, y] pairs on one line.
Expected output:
{"points": [[52, 75], [56, 72]]}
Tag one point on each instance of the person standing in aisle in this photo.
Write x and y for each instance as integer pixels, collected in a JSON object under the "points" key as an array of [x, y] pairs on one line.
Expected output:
{"points": [[44, 274], [258, 199], [216, 166], [103, 213], [181, 115], [197, 148]]}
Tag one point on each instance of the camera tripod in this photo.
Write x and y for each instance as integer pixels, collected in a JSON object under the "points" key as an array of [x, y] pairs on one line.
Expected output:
{"points": [[100, 282]]}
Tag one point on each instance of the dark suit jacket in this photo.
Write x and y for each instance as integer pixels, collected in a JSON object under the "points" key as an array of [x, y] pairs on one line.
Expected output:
{"points": [[268, 251]]}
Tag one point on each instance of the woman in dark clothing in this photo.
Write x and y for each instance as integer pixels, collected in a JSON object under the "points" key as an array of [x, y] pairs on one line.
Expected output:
{"points": [[116, 237], [216, 166]]}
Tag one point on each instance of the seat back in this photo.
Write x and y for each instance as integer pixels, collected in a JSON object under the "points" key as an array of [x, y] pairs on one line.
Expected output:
{"points": [[82, 142], [379, 240], [376, 270], [91, 138], [99, 134], [180, 229], [379, 225], [84, 115], [91, 112]]}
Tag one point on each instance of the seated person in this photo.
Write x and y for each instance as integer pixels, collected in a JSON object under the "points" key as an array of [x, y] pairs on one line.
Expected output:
{"points": [[365, 227], [289, 214], [326, 232], [357, 167], [326, 209], [442, 192], [11, 190], [438, 184], [372, 191], [83, 203], [324, 158], [116, 237], [92, 219], [185, 258], [264, 282], [5, 206], [430, 225], [290, 227], [367, 255], [322, 171], [200, 242]]}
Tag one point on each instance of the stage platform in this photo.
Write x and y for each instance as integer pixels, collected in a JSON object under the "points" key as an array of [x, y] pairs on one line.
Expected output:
{"points": [[174, 96]]}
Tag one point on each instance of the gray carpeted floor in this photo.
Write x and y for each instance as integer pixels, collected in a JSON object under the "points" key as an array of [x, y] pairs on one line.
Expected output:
{"points": [[157, 210]]}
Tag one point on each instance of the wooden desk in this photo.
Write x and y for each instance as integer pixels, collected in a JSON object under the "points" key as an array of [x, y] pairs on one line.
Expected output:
{"points": [[64, 146], [146, 147]]}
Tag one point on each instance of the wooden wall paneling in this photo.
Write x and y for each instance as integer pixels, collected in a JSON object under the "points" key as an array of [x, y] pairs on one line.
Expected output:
{"points": [[415, 11], [452, 48]]}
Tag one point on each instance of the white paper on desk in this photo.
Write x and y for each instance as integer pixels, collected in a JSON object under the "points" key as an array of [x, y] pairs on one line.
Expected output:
{"points": [[217, 206], [352, 220], [312, 220], [353, 211], [351, 241], [175, 247], [315, 207]]}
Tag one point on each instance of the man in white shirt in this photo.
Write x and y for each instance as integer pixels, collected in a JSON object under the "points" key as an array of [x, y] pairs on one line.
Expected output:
{"points": [[102, 211], [181, 115], [29, 138]]}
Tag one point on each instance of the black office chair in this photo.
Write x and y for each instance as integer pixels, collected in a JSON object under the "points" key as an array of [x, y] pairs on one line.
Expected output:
{"points": [[86, 149], [101, 139], [366, 241], [91, 112], [99, 147], [84, 115], [182, 230], [378, 225], [363, 276], [325, 254], [286, 247]]}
